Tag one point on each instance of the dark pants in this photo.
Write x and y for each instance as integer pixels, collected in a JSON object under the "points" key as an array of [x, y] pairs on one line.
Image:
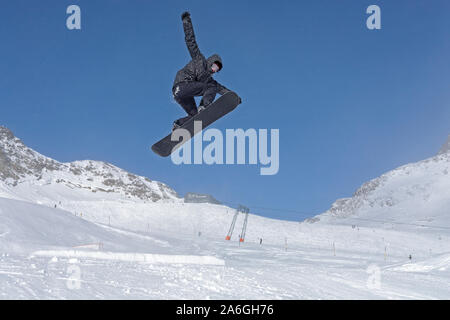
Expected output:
{"points": [[185, 92]]}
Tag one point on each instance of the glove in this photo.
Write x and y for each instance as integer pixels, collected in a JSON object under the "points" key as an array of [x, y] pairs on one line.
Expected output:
{"points": [[185, 15]]}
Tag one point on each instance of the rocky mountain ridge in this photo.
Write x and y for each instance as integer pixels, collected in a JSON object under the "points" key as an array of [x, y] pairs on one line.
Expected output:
{"points": [[21, 164]]}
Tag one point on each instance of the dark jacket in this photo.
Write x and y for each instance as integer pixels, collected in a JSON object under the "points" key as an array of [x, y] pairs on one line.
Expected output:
{"points": [[199, 68]]}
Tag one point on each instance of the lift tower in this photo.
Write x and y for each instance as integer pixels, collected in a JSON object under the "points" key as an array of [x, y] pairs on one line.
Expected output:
{"points": [[244, 210]]}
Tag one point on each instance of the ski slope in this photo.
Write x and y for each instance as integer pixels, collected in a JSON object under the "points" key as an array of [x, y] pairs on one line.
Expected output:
{"points": [[319, 261], [42, 261]]}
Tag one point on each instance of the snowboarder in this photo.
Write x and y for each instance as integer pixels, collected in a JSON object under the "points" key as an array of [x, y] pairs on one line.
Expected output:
{"points": [[195, 79]]}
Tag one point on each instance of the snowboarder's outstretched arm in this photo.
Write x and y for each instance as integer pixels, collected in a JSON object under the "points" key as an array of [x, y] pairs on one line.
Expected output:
{"points": [[189, 35], [222, 89]]}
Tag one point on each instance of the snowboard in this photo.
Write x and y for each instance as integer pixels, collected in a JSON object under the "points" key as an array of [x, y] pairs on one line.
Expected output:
{"points": [[216, 110]]}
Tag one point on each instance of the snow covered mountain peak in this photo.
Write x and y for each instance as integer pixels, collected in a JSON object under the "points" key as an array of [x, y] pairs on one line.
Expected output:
{"points": [[18, 162], [5, 133], [21, 165], [413, 193]]}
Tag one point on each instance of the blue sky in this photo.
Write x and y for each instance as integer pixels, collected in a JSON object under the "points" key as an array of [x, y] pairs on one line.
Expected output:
{"points": [[350, 103]]}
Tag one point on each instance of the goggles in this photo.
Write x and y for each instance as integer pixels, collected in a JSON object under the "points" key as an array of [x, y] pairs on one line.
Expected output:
{"points": [[215, 67]]}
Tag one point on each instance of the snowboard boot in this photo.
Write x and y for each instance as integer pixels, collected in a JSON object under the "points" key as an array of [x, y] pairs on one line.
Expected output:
{"points": [[179, 123], [202, 106], [175, 125]]}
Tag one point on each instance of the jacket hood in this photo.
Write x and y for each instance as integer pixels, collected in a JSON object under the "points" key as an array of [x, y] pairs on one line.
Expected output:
{"points": [[214, 58]]}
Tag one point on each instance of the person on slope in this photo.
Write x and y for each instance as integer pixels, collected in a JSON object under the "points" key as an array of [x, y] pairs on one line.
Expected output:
{"points": [[195, 79]]}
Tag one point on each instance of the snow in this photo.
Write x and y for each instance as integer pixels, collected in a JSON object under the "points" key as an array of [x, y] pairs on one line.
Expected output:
{"points": [[440, 263], [320, 261], [71, 240], [132, 257]]}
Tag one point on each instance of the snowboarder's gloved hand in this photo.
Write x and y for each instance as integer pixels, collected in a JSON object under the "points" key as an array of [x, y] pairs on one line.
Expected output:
{"points": [[185, 15]]}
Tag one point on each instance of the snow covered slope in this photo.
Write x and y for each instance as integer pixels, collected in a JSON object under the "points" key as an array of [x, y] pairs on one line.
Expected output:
{"points": [[25, 227], [414, 194], [22, 168], [47, 253]]}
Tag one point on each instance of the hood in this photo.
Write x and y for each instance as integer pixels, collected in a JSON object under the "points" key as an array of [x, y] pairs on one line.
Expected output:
{"points": [[214, 58]]}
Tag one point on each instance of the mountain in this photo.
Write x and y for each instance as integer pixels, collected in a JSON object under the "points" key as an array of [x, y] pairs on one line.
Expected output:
{"points": [[20, 165], [416, 193]]}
